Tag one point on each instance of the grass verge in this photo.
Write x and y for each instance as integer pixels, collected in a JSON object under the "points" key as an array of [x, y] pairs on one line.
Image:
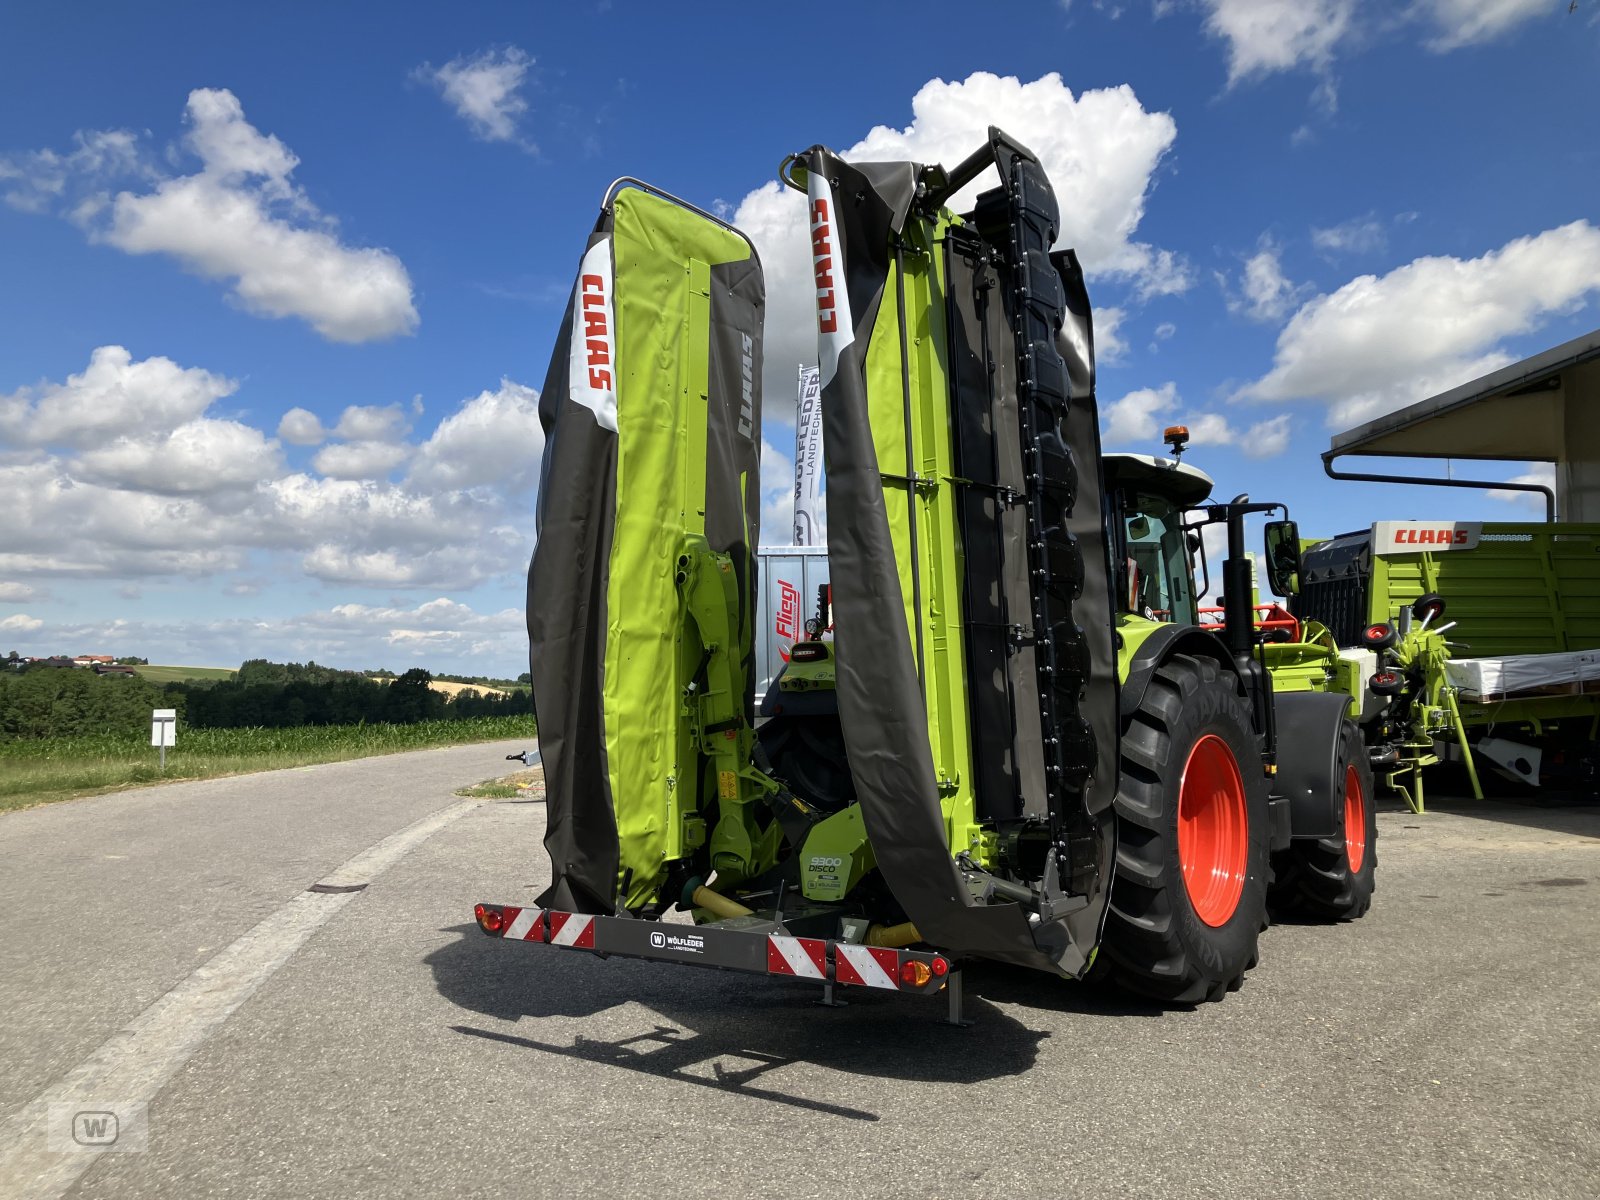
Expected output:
{"points": [[41, 771], [528, 784]]}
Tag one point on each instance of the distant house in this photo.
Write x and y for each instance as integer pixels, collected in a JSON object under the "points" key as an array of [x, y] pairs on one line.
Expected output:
{"points": [[90, 660], [101, 668]]}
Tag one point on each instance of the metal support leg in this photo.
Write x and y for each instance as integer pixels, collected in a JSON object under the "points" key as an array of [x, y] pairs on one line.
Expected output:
{"points": [[953, 990], [1466, 750], [829, 1000]]}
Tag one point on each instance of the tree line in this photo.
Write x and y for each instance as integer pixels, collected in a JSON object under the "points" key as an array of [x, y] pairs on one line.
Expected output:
{"points": [[55, 702]]}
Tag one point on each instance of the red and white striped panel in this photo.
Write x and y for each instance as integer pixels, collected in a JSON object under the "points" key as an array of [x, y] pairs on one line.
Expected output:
{"points": [[572, 929], [522, 924], [805, 958], [866, 966]]}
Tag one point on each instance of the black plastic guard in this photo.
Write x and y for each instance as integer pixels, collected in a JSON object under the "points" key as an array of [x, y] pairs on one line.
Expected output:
{"points": [[1310, 773]]}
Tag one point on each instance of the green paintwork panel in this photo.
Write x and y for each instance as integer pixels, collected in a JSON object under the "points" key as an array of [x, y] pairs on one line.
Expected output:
{"points": [[836, 856], [1309, 665], [663, 257], [1131, 634], [1524, 589], [811, 675], [925, 451]]}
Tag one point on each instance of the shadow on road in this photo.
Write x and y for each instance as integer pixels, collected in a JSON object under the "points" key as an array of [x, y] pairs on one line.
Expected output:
{"points": [[757, 1023]]}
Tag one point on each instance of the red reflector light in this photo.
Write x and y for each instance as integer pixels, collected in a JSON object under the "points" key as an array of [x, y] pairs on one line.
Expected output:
{"points": [[490, 920], [915, 973], [941, 967]]}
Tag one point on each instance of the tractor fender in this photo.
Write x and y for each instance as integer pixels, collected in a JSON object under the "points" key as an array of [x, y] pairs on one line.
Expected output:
{"points": [[1310, 771], [1162, 645]]}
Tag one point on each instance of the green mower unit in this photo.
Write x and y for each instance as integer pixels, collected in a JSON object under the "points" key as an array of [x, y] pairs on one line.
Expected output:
{"points": [[1024, 742]]}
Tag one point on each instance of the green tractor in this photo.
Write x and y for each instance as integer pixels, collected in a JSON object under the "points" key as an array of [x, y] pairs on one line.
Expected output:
{"points": [[1026, 741]]}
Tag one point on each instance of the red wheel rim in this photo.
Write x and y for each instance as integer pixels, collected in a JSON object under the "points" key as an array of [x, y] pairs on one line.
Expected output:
{"points": [[1213, 830], [1355, 820]]}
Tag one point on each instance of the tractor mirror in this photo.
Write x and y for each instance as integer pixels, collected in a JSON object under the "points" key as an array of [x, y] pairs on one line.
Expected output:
{"points": [[1283, 557]]}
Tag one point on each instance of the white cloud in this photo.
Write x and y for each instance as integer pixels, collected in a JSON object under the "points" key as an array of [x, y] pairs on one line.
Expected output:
{"points": [[1543, 474], [1466, 22], [99, 492], [198, 457], [114, 396], [777, 494], [1136, 418], [1265, 292], [1101, 149], [1381, 342], [1265, 36], [1264, 439], [1109, 345], [372, 423], [300, 427], [18, 593], [1361, 235], [1136, 422], [38, 180], [360, 460], [442, 635], [1165, 330], [240, 218], [494, 440], [486, 91], [21, 623]]}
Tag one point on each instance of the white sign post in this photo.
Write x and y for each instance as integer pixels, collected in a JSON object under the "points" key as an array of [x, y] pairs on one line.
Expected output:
{"points": [[163, 730]]}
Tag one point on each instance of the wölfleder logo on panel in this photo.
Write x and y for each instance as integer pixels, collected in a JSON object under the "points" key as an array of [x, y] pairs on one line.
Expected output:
{"points": [[591, 367], [835, 329]]}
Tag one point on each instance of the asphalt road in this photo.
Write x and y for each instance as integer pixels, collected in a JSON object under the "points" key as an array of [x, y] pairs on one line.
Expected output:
{"points": [[1448, 1044]]}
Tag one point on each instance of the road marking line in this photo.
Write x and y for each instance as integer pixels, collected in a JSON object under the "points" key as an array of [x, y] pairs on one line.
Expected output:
{"points": [[137, 1061]]}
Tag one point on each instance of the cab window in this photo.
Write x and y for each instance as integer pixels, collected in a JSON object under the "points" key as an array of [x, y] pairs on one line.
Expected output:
{"points": [[1156, 573]]}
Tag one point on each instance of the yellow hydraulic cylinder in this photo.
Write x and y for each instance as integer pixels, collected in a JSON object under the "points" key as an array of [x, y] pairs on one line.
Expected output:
{"points": [[892, 937], [717, 903]]}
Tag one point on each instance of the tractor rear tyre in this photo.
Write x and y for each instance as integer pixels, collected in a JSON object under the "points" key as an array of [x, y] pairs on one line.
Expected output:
{"points": [[1333, 878], [808, 754], [1188, 897]]}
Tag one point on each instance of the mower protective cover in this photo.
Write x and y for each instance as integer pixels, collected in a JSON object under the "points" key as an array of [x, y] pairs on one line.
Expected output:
{"points": [[976, 675], [651, 412]]}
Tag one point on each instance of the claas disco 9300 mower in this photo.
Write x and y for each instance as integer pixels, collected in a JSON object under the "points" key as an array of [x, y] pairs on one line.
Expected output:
{"points": [[1030, 749]]}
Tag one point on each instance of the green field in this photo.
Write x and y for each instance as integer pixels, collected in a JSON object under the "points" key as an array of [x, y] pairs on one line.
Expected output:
{"points": [[42, 770], [184, 674]]}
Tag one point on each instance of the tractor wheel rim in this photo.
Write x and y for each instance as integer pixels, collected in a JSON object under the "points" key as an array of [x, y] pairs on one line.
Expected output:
{"points": [[1355, 820], [1213, 830]]}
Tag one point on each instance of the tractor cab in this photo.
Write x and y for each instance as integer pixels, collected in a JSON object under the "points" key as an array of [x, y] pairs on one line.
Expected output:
{"points": [[1147, 499]]}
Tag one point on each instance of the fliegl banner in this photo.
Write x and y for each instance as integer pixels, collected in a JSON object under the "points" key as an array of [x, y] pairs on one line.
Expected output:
{"points": [[809, 529]]}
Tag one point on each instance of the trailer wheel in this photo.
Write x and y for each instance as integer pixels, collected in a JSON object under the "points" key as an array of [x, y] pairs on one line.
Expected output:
{"points": [[1188, 897], [1333, 878]]}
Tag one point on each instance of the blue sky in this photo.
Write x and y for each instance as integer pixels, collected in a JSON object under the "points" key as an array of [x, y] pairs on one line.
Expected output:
{"points": [[279, 288]]}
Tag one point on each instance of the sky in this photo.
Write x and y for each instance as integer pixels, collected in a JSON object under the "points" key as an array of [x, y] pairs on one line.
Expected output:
{"points": [[279, 286]]}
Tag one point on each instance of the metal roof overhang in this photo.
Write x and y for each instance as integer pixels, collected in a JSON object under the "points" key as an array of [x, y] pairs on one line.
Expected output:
{"points": [[1513, 413], [1518, 412]]}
